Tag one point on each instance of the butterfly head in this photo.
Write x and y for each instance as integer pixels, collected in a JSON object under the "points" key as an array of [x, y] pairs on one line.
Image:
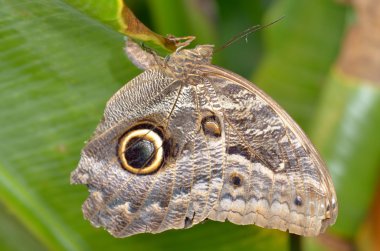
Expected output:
{"points": [[183, 62]]}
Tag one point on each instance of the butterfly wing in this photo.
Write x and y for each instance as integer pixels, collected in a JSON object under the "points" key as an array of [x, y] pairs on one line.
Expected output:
{"points": [[229, 153], [182, 191], [274, 177]]}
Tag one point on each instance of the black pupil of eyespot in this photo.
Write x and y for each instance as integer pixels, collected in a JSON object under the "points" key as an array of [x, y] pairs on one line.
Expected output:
{"points": [[139, 153], [236, 181], [298, 201]]}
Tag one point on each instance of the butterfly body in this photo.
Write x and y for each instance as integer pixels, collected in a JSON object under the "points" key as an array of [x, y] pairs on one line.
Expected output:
{"points": [[187, 141]]}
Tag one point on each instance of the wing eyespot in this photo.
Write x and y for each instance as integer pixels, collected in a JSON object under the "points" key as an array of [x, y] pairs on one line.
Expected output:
{"points": [[298, 201], [211, 126], [140, 149], [236, 180]]}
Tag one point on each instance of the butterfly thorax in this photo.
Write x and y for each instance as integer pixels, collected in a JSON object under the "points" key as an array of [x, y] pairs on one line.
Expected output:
{"points": [[184, 63]]}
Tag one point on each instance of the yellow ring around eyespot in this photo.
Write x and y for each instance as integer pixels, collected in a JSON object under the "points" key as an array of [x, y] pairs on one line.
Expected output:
{"points": [[148, 135]]}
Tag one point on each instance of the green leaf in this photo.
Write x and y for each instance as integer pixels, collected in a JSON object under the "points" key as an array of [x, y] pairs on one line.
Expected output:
{"points": [[243, 56], [33, 212], [12, 231], [60, 61], [300, 51], [58, 68], [117, 14], [346, 131], [181, 18], [104, 11]]}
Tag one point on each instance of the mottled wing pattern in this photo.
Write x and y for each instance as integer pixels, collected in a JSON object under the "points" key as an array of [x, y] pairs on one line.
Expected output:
{"points": [[183, 191], [273, 176], [230, 153]]}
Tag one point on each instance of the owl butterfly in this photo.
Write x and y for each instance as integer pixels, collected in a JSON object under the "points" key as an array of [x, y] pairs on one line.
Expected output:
{"points": [[187, 141]]}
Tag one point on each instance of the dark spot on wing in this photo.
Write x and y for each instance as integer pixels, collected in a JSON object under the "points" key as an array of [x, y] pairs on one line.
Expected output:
{"points": [[236, 180], [298, 201], [239, 150]]}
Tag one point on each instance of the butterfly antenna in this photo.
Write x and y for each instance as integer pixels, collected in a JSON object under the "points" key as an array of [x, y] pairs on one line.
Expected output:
{"points": [[246, 33]]}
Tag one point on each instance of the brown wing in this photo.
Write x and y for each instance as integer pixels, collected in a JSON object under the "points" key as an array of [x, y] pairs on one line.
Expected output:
{"points": [[273, 177], [182, 191], [230, 153]]}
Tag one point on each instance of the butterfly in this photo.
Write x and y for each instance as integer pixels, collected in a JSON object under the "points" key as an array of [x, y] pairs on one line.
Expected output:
{"points": [[187, 141]]}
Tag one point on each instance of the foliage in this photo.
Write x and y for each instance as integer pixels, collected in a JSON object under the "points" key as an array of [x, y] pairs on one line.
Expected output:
{"points": [[60, 61]]}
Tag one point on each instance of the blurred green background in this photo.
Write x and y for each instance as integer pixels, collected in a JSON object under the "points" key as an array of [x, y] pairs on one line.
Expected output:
{"points": [[60, 61]]}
